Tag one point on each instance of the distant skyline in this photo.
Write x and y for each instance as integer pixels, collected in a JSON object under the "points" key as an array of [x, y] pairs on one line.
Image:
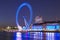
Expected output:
{"points": [[48, 9]]}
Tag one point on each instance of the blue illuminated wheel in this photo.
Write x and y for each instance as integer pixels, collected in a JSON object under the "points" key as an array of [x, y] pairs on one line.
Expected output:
{"points": [[19, 9]]}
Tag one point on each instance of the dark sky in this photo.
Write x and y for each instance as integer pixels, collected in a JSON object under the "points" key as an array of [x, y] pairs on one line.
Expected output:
{"points": [[49, 9]]}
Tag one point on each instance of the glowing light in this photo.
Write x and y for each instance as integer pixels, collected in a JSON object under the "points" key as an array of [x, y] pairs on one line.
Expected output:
{"points": [[38, 35], [50, 27], [50, 36], [18, 36], [20, 28], [19, 8]]}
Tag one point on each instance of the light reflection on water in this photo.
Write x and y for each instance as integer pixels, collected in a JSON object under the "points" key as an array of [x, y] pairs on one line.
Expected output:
{"points": [[18, 36], [49, 36], [37, 36], [29, 36]]}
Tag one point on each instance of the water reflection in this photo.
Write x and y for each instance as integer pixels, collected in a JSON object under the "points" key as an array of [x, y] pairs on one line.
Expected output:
{"points": [[18, 36], [37, 36], [50, 36]]}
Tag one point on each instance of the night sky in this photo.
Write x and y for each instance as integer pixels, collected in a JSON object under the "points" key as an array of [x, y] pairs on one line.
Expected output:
{"points": [[45, 8]]}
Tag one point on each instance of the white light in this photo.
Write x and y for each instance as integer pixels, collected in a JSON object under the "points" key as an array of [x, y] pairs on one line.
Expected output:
{"points": [[20, 28], [18, 36], [50, 36]]}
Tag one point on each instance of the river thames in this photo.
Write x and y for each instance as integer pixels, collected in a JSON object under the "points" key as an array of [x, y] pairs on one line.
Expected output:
{"points": [[29, 36]]}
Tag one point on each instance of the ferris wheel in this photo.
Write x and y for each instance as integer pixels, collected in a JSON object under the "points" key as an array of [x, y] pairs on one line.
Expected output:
{"points": [[27, 23]]}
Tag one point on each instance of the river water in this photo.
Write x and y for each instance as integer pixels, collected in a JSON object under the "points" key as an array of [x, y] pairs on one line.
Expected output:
{"points": [[29, 36]]}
